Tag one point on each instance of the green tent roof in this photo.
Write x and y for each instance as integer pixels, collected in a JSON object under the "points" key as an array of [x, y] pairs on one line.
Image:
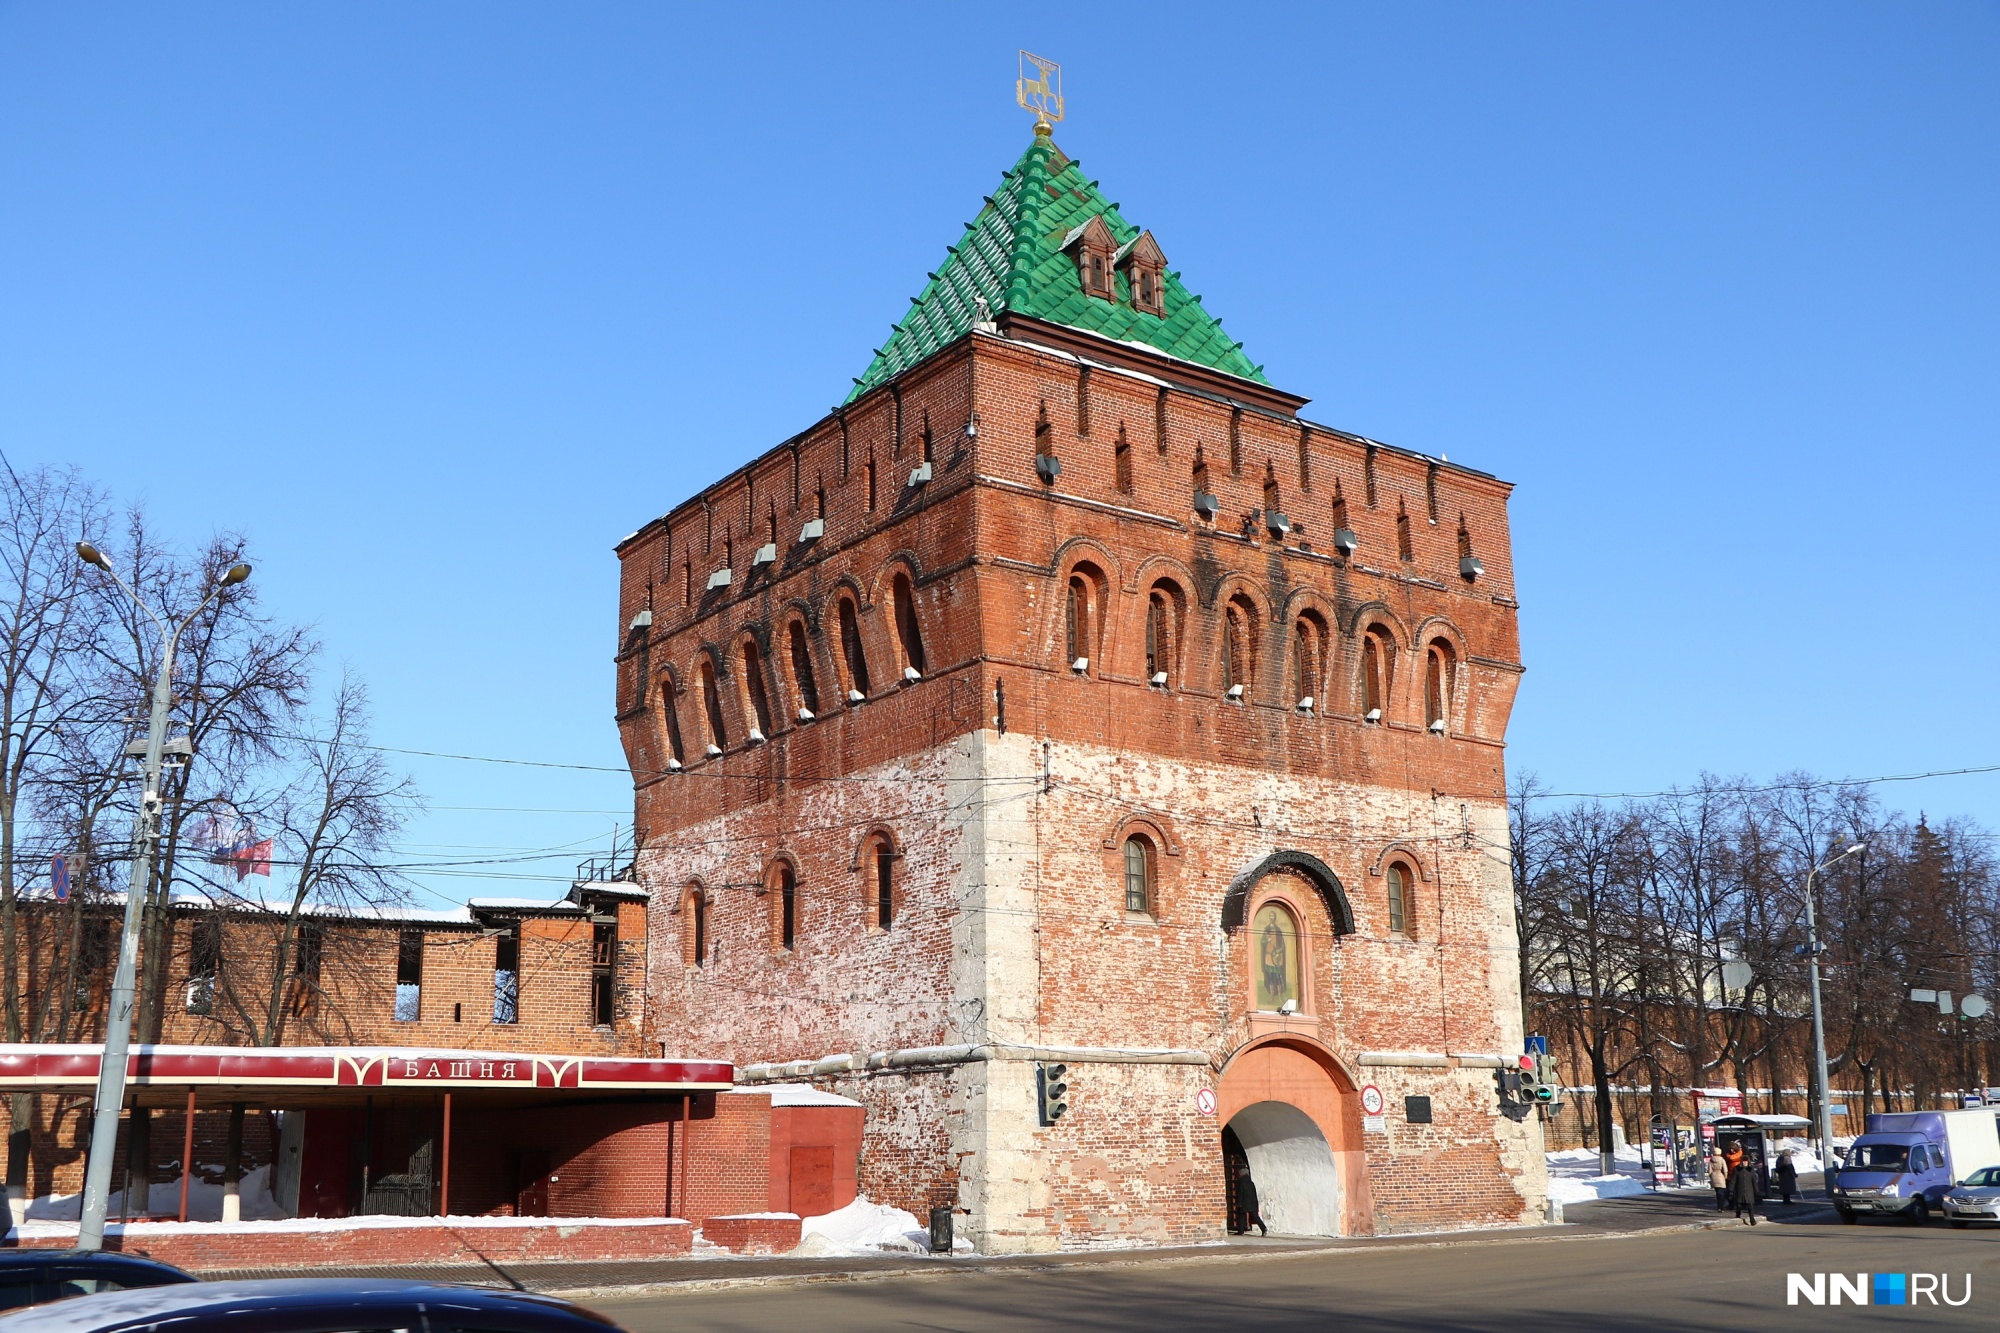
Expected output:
{"points": [[1011, 255]]}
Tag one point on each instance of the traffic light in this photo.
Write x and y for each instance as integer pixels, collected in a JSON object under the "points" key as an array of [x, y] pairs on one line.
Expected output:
{"points": [[1507, 1082], [1051, 1092], [1548, 1080]]}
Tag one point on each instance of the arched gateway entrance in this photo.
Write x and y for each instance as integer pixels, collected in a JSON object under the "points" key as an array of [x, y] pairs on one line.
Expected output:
{"points": [[1289, 1108]]}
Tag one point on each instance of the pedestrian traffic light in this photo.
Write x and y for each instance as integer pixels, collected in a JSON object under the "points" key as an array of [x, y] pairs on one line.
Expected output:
{"points": [[1051, 1092], [1548, 1080]]}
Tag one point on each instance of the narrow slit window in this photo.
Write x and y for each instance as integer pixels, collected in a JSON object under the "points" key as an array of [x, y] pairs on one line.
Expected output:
{"points": [[1404, 549], [670, 714], [802, 667], [850, 648], [788, 908], [753, 685], [908, 633], [1159, 636], [1138, 875], [1121, 459], [885, 886], [1305, 661], [409, 976], [507, 974], [204, 964], [603, 972], [1399, 900], [711, 698], [1076, 620]]}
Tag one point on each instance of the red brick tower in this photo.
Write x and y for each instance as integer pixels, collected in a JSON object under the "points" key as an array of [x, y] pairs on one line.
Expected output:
{"points": [[1065, 697]]}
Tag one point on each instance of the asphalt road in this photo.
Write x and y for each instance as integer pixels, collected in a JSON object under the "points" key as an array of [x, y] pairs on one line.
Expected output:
{"points": [[1732, 1278]]}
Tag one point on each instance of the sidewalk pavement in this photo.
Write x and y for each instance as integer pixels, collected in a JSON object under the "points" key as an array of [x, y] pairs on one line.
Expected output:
{"points": [[1672, 1210]]}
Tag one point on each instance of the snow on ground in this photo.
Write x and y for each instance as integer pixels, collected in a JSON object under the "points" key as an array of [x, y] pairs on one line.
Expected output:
{"points": [[1574, 1175], [863, 1227], [204, 1201], [1574, 1178]]}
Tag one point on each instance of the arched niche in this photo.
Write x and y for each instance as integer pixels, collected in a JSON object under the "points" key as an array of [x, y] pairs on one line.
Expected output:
{"points": [[1236, 902]]}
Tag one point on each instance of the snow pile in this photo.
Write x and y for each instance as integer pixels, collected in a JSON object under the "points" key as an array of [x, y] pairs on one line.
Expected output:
{"points": [[863, 1227], [1574, 1175], [204, 1201]]}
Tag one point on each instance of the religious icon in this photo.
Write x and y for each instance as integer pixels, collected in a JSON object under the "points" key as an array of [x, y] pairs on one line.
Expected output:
{"points": [[1275, 940]]}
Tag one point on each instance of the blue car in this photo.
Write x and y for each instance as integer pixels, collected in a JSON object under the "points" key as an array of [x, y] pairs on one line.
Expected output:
{"points": [[36, 1277], [310, 1305]]}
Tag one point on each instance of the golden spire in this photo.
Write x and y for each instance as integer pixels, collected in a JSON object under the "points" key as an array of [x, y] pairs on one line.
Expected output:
{"points": [[1041, 94]]}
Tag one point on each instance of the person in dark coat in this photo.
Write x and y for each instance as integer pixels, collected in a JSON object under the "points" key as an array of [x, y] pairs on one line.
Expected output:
{"points": [[1246, 1202], [1743, 1189], [1787, 1174]]}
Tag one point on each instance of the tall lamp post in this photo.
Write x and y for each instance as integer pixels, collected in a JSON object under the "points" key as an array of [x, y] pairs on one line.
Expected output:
{"points": [[145, 837], [1819, 1021]]}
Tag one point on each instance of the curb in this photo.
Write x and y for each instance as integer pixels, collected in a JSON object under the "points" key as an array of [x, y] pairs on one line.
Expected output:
{"points": [[942, 1269]]}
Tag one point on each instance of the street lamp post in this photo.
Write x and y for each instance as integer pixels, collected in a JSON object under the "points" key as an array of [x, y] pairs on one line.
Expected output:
{"points": [[145, 836], [1819, 1021]]}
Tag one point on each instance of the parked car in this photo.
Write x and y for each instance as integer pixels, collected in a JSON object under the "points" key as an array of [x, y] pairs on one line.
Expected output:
{"points": [[1906, 1162], [36, 1277], [1975, 1199], [310, 1305]]}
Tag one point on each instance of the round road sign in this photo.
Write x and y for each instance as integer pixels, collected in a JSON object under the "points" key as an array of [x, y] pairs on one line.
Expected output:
{"points": [[1204, 1101], [1371, 1100]]}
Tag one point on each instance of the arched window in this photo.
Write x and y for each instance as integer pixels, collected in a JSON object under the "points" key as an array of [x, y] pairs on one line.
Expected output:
{"points": [[1399, 898], [787, 893], [802, 670], [1275, 959], [1076, 621], [1438, 671], [711, 701], [753, 687], [851, 654], [697, 926], [1308, 660], [670, 716], [1378, 664], [1239, 647], [881, 867], [1161, 625], [908, 634], [1138, 874]]}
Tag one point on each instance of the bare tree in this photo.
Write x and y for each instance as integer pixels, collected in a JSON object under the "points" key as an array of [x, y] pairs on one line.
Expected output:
{"points": [[47, 622]]}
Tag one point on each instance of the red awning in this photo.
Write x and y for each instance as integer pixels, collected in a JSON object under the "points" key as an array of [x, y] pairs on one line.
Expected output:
{"points": [[390, 1068]]}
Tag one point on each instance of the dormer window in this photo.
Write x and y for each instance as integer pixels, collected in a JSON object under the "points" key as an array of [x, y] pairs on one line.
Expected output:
{"points": [[1096, 258], [1145, 270]]}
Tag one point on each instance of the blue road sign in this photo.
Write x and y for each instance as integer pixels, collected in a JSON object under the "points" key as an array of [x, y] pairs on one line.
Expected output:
{"points": [[1537, 1046], [59, 876]]}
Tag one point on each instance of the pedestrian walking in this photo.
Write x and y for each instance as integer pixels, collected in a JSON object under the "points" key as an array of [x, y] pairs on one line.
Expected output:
{"points": [[1743, 1189], [1246, 1202], [1788, 1176], [1718, 1179]]}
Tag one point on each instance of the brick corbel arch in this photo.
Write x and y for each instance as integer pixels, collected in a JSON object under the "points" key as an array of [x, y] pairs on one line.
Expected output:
{"points": [[1236, 902], [1405, 851]]}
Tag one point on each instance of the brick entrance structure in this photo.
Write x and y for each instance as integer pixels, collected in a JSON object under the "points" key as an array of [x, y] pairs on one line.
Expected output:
{"points": [[1066, 697]]}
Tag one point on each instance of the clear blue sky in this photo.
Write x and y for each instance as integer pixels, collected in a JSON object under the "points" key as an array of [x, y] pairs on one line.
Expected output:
{"points": [[437, 302]]}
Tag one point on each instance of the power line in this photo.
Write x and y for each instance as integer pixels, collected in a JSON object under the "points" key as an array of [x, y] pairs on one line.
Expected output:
{"points": [[1810, 784]]}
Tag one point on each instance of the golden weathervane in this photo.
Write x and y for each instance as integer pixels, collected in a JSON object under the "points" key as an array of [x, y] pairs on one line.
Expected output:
{"points": [[1041, 93]]}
